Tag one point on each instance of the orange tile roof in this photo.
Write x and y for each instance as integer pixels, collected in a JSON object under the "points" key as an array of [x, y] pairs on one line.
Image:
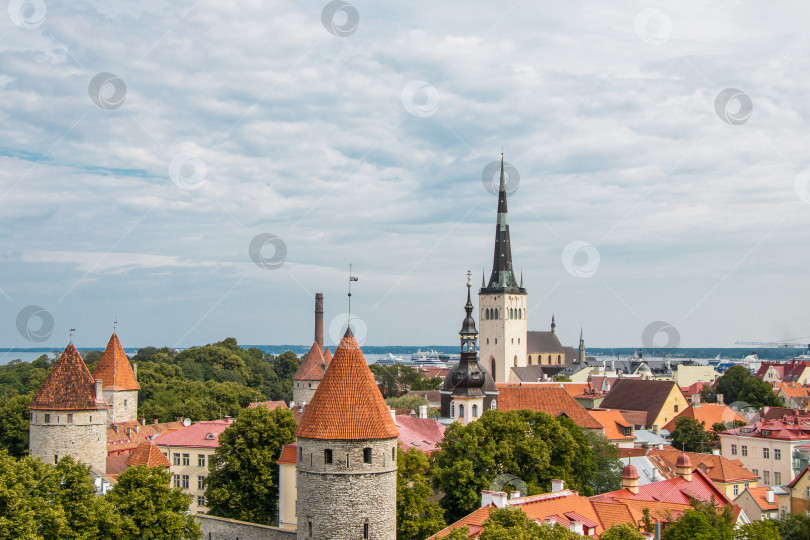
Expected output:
{"points": [[69, 386], [272, 405], [125, 437], [148, 455], [288, 455], [613, 421], [549, 399], [718, 468], [758, 494], [347, 404], [114, 368], [327, 355], [711, 413], [312, 366]]}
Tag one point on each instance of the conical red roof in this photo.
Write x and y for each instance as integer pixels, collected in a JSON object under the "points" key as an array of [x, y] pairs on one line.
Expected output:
{"points": [[327, 356], [148, 455], [347, 404], [114, 368], [69, 386], [312, 366]]}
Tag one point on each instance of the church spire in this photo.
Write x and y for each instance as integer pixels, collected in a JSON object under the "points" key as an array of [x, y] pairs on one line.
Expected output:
{"points": [[553, 325], [581, 344], [503, 277]]}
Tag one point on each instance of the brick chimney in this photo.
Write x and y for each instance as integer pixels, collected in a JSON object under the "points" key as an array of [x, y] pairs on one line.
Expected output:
{"points": [[498, 498], [319, 320], [98, 385], [557, 485]]}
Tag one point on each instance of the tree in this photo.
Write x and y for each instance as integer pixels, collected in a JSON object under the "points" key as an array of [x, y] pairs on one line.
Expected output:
{"points": [[243, 474], [704, 521], [511, 523], [418, 517], [731, 382], [690, 435], [625, 531], [720, 427], [758, 530], [793, 527], [758, 393], [14, 416], [462, 533], [608, 466], [150, 508]]}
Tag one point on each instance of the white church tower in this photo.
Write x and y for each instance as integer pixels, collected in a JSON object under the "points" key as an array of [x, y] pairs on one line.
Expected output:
{"points": [[503, 304]]}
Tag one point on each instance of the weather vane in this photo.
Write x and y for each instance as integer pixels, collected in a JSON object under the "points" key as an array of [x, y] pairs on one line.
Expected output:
{"points": [[115, 323], [351, 278], [70, 334]]}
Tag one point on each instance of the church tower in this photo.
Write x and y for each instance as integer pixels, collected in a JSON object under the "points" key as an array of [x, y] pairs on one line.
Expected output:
{"points": [[581, 345], [69, 415], [502, 304], [119, 386], [347, 455]]}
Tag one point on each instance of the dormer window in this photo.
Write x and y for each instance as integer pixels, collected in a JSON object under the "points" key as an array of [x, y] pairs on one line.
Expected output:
{"points": [[209, 436]]}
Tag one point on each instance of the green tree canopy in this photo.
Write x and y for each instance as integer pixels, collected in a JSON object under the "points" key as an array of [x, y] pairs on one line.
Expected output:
{"points": [[758, 394], [625, 531], [511, 523], [396, 380], [243, 474], [758, 530], [704, 521], [418, 517], [691, 435], [14, 416], [793, 527]]}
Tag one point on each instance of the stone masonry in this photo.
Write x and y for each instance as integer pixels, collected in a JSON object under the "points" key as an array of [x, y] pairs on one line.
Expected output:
{"points": [[80, 434], [123, 405]]}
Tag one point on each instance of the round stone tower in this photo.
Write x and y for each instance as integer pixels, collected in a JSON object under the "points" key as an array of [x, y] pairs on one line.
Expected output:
{"points": [[308, 377], [347, 449], [69, 415], [119, 386]]}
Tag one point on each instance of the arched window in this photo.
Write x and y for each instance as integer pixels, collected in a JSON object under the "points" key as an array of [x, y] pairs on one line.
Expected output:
{"points": [[475, 410], [452, 409], [559, 359], [530, 359], [515, 360], [524, 313], [493, 368], [496, 314], [461, 410]]}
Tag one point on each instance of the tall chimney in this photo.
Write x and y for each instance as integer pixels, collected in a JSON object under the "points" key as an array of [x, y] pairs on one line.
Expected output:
{"points": [[98, 383], [319, 320]]}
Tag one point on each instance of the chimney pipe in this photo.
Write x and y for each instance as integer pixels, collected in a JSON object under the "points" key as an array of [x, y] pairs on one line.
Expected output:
{"points": [[769, 496], [135, 370], [319, 320], [423, 411], [99, 395], [557, 485]]}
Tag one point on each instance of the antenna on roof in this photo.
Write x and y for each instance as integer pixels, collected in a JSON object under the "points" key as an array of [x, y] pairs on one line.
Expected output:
{"points": [[349, 315], [70, 334], [115, 323]]}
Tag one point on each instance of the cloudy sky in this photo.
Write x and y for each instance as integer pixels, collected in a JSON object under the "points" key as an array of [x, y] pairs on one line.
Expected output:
{"points": [[660, 155]]}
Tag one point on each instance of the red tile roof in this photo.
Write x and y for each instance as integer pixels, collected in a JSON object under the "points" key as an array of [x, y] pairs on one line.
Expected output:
{"points": [[148, 455], [327, 356], [272, 405], [549, 399], [787, 371], [198, 435], [124, 437], [711, 413], [288, 455], [422, 433], [717, 468], [673, 490], [614, 424], [114, 368], [758, 494], [347, 404], [312, 366], [69, 386]]}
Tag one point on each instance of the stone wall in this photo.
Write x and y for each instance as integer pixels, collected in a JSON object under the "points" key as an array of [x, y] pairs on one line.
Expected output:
{"points": [[217, 528], [337, 500], [79, 434], [303, 391], [123, 405]]}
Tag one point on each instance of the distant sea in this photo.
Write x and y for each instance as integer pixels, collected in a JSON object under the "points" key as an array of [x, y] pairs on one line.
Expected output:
{"points": [[375, 352]]}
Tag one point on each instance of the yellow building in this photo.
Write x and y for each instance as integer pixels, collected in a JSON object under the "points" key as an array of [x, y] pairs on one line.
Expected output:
{"points": [[660, 400]]}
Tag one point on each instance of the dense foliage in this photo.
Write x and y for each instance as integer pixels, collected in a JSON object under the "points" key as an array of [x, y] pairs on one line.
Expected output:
{"points": [[738, 384], [412, 402], [418, 517], [511, 523], [523, 450], [243, 474], [691, 435], [396, 380]]}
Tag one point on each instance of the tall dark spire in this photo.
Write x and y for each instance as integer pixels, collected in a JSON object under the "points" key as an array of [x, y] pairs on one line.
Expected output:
{"points": [[503, 277]]}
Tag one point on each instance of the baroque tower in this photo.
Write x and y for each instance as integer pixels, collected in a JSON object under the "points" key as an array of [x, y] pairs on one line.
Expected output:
{"points": [[502, 304], [69, 415], [346, 470], [119, 386]]}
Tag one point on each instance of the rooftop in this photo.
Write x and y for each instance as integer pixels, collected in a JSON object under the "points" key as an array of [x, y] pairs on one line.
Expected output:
{"points": [[711, 413], [197, 435], [114, 368], [313, 365], [549, 399], [424, 434], [69, 386], [148, 455]]}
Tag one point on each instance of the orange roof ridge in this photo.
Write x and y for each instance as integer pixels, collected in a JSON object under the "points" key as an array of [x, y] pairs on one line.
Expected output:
{"points": [[327, 356], [347, 404], [312, 366], [149, 455], [114, 368], [69, 386]]}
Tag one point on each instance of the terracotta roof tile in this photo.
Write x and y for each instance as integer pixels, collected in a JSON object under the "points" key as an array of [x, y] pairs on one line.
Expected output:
{"points": [[422, 433], [327, 356], [69, 386], [640, 395], [114, 368], [718, 468], [125, 437], [288, 455], [347, 404], [758, 494], [148, 455], [272, 405], [614, 423], [549, 399], [312, 366], [711, 413]]}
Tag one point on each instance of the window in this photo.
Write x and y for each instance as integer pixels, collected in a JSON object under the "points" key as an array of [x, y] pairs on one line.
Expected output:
{"points": [[777, 478], [513, 341], [200, 482], [755, 471], [200, 500], [559, 359], [493, 366], [766, 453], [452, 409], [461, 410], [365, 530], [766, 477], [530, 359], [733, 449], [515, 360], [185, 481], [736, 489], [746, 485], [366, 455], [91, 419], [394, 454], [176, 459], [493, 405], [475, 411], [300, 453], [200, 460], [186, 460], [70, 418], [47, 418], [744, 450], [807, 492], [30, 417], [784, 511], [675, 408], [777, 453], [125, 403], [327, 456], [309, 526], [55, 459], [177, 480]]}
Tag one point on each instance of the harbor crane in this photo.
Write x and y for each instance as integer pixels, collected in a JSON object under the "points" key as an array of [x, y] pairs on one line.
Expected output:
{"points": [[779, 344]]}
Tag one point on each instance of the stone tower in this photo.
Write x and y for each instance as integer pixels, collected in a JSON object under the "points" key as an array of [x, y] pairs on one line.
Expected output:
{"points": [[69, 415], [468, 389], [347, 450], [502, 304], [581, 344], [313, 365], [119, 386]]}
